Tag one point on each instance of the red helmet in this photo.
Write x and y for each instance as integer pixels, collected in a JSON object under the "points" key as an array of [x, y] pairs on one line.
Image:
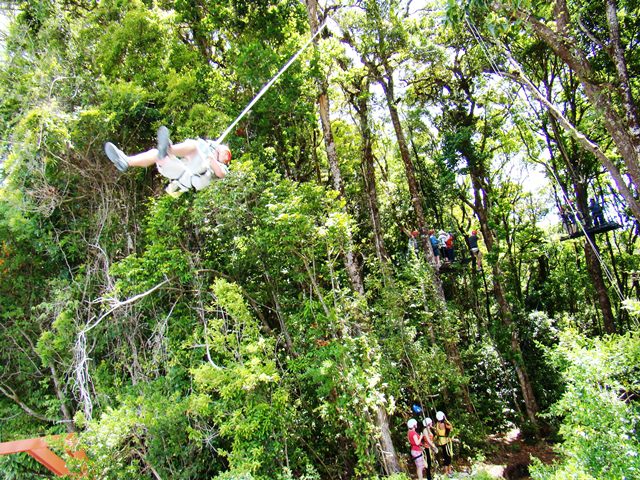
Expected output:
{"points": [[224, 153]]}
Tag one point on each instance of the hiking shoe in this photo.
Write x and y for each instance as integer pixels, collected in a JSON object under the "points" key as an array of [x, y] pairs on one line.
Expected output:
{"points": [[164, 142], [116, 156]]}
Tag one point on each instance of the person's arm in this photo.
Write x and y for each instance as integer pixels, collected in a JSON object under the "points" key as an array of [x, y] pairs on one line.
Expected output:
{"points": [[428, 440], [219, 169]]}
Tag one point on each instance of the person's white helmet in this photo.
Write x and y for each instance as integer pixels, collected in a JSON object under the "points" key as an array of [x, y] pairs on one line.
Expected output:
{"points": [[412, 423], [440, 416], [427, 422]]}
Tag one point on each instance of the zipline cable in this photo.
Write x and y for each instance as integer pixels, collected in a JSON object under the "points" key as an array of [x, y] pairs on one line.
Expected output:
{"points": [[268, 85], [478, 38]]}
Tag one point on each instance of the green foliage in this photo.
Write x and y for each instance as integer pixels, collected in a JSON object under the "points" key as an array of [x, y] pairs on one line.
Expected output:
{"points": [[218, 334], [598, 411], [241, 390]]}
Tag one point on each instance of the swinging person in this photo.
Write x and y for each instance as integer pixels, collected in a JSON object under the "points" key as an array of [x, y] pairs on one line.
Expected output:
{"points": [[193, 163]]}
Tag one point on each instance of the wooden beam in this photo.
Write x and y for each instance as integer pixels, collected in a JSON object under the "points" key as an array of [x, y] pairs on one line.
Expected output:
{"points": [[39, 450], [50, 460]]}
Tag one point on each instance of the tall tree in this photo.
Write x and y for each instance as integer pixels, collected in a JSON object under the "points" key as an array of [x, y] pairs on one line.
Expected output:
{"points": [[590, 43], [381, 419]]}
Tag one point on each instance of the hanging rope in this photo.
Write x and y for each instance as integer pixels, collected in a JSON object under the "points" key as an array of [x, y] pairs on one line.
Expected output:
{"points": [[268, 85], [478, 38]]}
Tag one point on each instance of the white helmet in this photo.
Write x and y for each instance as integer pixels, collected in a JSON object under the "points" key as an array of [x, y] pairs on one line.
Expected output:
{"points": [[412, 423], [427, 422], [440, 416]]}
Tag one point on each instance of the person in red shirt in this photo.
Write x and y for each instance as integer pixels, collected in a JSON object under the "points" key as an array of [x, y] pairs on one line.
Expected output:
{"points": [[415, 439]]}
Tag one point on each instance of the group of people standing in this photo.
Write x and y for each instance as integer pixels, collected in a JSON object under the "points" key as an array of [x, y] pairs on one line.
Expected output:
{"points": [[443, 247], [571, 217], [435, 441]]}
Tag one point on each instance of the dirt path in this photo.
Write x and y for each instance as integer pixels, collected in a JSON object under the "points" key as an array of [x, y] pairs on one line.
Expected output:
{"points": [[512, 454]]}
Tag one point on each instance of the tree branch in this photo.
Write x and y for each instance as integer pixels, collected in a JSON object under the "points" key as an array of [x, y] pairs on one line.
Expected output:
{"points": [[10, 394]]}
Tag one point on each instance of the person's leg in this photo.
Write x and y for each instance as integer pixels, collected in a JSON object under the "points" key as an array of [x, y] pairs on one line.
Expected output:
{"points": [[185, 149], [449, 458], [420, 467], [428, 454], [144, 159]]}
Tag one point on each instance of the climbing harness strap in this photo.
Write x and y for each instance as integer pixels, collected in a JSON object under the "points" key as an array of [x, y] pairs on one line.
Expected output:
{"points": [[195, 173], [416, 456]]}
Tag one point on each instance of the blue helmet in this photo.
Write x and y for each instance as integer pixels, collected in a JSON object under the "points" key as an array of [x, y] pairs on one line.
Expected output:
{"points": [[416, 409]]}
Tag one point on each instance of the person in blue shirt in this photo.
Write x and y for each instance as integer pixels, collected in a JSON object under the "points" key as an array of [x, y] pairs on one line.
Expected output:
{"points": [[596, 213], [435, 246], [476, 254]]}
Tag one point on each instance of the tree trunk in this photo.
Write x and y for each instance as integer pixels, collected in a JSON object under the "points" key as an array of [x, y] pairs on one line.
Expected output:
{"points": [[591, 256], [385, 443], [595, 272], [414, 191], [387, 450], [530, 402], [64, 409], [585, 142], [617, 54], [623, 134], [451, 346], [350, 260], [506, 316], [572, 159], [362, 108]]}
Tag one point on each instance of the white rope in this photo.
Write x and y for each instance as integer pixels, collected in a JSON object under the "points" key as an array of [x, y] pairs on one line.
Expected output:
{"points": [[268, 85], [476, 35]]}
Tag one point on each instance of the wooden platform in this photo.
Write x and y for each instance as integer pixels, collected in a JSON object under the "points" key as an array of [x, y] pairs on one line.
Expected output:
{"points": [[456, 266], [605, 227]]}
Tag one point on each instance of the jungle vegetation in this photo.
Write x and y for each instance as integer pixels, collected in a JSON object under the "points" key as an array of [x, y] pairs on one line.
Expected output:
{"points": [[277, 325]]}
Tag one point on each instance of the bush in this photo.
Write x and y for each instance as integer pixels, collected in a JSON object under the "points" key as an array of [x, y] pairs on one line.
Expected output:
{"points": [[599, 409]]}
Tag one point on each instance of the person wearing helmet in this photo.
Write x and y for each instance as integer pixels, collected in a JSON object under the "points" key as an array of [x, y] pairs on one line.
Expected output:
{"points": [[430, 448], [476, 254], [443, 238], [192, 163], [444, 441], [413, 247], [415, 440]]}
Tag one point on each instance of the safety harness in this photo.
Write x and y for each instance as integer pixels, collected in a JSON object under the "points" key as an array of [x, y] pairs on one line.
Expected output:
{"points": [[194, 172]]}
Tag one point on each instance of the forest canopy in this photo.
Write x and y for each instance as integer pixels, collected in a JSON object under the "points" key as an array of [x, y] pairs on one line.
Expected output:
{"points": [[435, 208]]}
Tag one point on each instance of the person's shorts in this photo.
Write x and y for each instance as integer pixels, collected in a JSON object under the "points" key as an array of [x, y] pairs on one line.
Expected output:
{"points": [[419, 461], [436, 251]]}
